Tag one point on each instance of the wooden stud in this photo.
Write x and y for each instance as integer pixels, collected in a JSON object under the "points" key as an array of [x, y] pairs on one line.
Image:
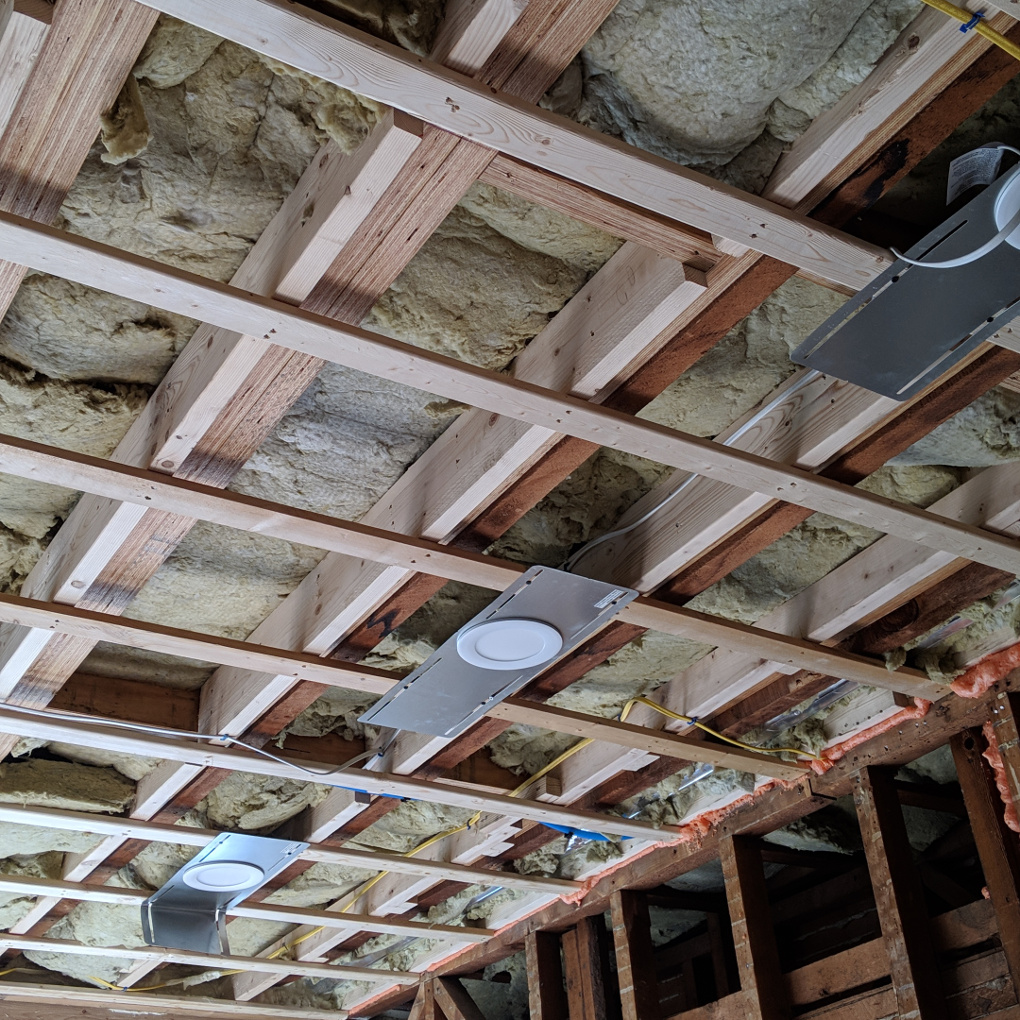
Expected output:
{"points": [[635, 963], [753, 935], [582, 965], [899, 898], [547, 995], [386, 74], [1006, 727], [998, 846], [471, 30]]}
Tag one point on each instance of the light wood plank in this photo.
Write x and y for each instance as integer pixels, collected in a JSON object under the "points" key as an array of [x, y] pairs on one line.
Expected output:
{"points": [[76, 77], [28, 886], [130, 828], [190, 958], [471, 31], [170, 1006], [139, 279], [176, 749], [385, 73], [902, 913], [20, 44]]}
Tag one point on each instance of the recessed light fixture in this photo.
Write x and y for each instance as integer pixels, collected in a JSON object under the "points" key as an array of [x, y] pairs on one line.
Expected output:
{"points": [[189, 911], [509, 644], [223, 876], [543, 614]]}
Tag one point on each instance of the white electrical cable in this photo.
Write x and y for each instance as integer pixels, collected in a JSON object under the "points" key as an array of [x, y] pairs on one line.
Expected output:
{"points": [[807, 377], [162, 731], [990, 245]]}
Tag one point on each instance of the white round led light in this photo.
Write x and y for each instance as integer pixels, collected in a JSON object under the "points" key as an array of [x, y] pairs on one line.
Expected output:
{"points": [[509, 644], [223, 876]]}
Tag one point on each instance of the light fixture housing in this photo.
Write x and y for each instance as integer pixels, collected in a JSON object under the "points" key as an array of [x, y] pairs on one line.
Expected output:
{"points": [[189, 911], [913, 323], [542, 615]]}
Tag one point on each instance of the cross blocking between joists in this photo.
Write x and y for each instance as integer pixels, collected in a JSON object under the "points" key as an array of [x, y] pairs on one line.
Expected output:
{"points": [[105, 268], [387, 74]]}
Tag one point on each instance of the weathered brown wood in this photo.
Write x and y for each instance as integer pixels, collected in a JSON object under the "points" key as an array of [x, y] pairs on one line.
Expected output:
{"points": [[131, 700], [898, 896], [753, 935], [1006, 727], [547, 994], [635, 965], [454, 1001], [998, 846], [582, 964]]}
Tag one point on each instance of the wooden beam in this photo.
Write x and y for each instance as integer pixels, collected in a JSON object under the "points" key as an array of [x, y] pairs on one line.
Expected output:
{"points": [[190, 958], [582, 965], [635, 964], [21, 885], [754, 939], [20, 45], [665, 236], [97, 265], [899, 898], [547, 994], [177, 749], [99, 1004], [1006, 727], [160, 832], [389, 75], [930, 53], [80, 69], [997, 845], [37, 10], [471, 30], [454, 1001]]}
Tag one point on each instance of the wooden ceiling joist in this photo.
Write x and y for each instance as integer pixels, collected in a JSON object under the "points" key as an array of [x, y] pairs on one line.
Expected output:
{"points": [[387, 74], [127, 276], [162, 954], [160, 832]]}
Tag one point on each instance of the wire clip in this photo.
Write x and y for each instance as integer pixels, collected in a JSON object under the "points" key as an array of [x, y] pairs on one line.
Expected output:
{"points": [[973, 23]]}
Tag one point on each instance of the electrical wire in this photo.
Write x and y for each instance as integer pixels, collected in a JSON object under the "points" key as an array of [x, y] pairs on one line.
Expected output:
{"points": [[808, 377], [978, 25], [694, 721], [164, 731]]}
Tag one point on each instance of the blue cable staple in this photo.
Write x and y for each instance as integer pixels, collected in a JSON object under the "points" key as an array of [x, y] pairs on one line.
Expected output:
{"points": [[972, 23]]}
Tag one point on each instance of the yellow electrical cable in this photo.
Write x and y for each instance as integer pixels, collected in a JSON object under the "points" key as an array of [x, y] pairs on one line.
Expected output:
{"points": [[669, 713], [962, 14], [530, 781]]}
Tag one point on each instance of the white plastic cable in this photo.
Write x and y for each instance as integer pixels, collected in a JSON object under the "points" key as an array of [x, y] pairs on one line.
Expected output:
{"points": [[991, 244]]}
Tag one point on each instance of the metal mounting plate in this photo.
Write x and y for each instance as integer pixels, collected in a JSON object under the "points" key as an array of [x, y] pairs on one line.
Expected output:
{"points": [[912, 324], [445, 694], [179, 917]]}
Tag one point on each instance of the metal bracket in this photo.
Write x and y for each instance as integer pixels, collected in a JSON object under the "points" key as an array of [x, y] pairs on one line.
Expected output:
{"points": [[912, 324], [446, 694], [178, 916]]}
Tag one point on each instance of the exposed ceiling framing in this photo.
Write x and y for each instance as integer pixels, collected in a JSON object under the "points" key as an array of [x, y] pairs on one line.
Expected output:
{"points": [[698, 257]]}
